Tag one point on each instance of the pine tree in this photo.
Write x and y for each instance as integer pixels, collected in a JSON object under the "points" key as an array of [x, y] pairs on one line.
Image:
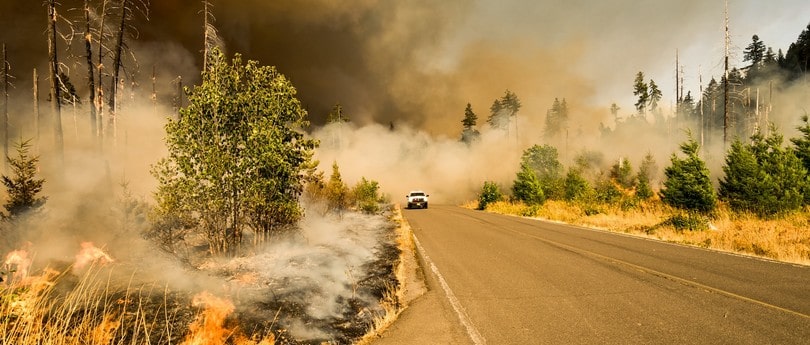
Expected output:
{"points": [[23, 187], [497, 117], [640, 90], [544, 162], [755, 52], [654, 95], [469, 134], [763, 177], [687, 185], [576, 187], [622, 173], [336, 115], [802, 143]]}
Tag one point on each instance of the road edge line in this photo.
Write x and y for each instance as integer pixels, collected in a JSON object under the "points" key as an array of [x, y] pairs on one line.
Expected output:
{"points": [[472, 332]]}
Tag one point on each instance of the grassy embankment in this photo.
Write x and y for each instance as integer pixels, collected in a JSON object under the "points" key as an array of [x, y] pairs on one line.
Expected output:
{"points": [[784, 239]]}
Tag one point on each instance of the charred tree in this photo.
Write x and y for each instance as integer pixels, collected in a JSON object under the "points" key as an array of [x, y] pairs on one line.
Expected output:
{"points": [[53, 65], [99, 103], [118, 52], [36, 108], [5, 107], [91, 70]]}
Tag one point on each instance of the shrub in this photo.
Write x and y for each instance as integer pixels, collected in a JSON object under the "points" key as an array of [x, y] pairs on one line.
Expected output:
{"points": [[576, 187], [490, 193], [527, 187], [366, 194]]}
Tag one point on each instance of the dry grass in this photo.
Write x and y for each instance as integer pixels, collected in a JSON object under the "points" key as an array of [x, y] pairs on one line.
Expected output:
{"points": [[785, 239], [394, 300], [62, 308]]}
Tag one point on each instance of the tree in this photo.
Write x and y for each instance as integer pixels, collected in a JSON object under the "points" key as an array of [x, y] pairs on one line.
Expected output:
{"points": [[687, 185], [647, 173], [654, 95], [469, 134], [622, 173], [640, 91], [490, 193], [236, 154], [576, 186], [556, 118], [754, 52], [802, 150], [53, 66], [497, 118], [23, 187], [544, 162], [366, 195], [336, 115], [337, 192], [763, 177], [91, 68], [527, 187]]}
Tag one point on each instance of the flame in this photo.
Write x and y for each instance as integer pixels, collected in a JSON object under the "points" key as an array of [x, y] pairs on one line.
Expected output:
{"points": [[89, 254], [208, 327], [18, 264], [104, 332]]}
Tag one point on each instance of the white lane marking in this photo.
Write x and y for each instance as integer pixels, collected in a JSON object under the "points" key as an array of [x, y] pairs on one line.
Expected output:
{"points": [[476, 337]]}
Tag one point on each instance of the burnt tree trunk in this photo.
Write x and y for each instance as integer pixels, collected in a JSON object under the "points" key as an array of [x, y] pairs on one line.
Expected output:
{"points": [[118, 50], [91, 70], [37, 122], [5, 108], [53, 65]]}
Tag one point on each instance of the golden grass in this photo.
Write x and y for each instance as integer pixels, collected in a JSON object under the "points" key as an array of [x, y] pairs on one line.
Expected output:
{"points": [[35, 310], [785, 239]]}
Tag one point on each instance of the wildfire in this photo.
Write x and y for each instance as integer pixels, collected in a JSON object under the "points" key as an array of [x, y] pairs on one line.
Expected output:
{"points": [[208, 328], [17, 263], [90, 253]]}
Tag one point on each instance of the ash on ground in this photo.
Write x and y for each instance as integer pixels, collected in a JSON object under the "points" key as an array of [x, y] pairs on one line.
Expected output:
{"points": [[322, 284]]}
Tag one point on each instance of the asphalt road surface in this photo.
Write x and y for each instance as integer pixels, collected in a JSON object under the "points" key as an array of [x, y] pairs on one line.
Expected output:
{"points": [[496, 279]]}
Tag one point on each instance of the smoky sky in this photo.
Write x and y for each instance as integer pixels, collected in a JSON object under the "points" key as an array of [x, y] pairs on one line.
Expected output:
{"points": [[419, 62]]}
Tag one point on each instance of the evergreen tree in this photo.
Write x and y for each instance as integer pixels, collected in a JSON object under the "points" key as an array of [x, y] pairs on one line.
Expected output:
{"points": [[754, 52], [469, 134], [654, 96], [556, 118], [764, 177], [622, 173], [337, 192], [490, 193], [796, 59], [498, 119], [576, 186], [687, 185], [527, 187], [640, 90], [336, 115], [802, 143], [23, 187], [510, 103]]}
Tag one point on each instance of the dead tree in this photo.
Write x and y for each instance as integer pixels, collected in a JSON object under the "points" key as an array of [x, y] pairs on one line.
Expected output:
{"points": [[36, 107], [91, 70], [117, 50], [5, 107], [210, 35], [53, 65]]}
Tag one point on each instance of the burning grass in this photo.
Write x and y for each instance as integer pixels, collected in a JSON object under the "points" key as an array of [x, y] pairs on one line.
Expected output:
{"points": [[329, 283], [785, 239]]}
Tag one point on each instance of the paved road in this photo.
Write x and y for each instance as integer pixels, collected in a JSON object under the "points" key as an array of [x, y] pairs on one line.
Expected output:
{"points": [[508, 280]]}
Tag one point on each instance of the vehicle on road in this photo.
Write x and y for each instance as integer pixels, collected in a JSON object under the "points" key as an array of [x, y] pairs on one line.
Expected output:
{"points": [[417, 198]]}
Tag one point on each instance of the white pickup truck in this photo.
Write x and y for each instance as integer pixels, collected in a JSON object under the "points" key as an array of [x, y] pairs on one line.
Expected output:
{"points": [[417, 198]]}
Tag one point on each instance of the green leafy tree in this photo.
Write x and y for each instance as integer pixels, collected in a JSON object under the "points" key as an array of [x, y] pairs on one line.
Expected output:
{"points": [[469, 134], [490, 193], [687, 185], [23, 186], [367, 196], [236, 155], [544, 162], [527, 187]]}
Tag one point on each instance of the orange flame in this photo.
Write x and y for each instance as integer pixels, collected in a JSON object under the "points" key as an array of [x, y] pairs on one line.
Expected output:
{"points": [[89, 254], [208, 327], [18, 263]]}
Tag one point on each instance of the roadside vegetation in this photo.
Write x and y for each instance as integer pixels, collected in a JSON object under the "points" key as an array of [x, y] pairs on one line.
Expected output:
{"points": [[760, 207]]}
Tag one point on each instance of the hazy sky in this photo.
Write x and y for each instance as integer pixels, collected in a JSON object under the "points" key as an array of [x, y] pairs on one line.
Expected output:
{"points": [[419, 62]]}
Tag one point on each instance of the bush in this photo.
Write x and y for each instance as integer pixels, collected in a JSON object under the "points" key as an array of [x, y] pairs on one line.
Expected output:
{"points": [[575, 186], [689, 221], [607, 192], [527, 187], [366, 194], [490, 193]]}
